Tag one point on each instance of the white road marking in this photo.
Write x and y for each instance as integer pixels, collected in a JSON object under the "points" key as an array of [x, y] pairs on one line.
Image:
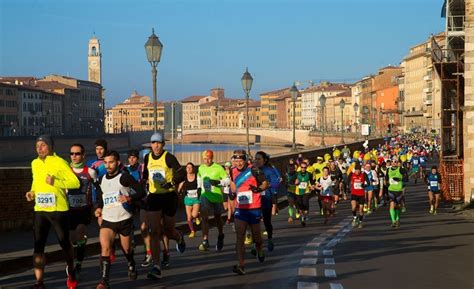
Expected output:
{"points": [[329, 261], [304, 271], [336, 286], [330, 273], [327, 252], [309, 261], [314, 244], [310, 253], [307, 285]]}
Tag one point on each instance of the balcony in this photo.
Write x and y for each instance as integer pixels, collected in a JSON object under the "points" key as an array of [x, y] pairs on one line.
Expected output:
{"points": [[455, 25], [427, 89], [427, 78]]}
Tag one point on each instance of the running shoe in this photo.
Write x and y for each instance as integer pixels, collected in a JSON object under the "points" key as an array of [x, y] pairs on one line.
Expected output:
{"points": [[360, 225], [204, 246], [220, 242], [303, 221], [365, 208], [71, 281], [154, 273], [181, 245], [270, 245], [435, 213], [369, 211], [394, 224], [192, 234], [165, 261], [147, 262], [298, 215], [198, 221], [248, 240], [253, 250], [431, 210], [103, 284], [397, 224], [265, 233], [290, 220], [354, 221], [321, 212], [239, 270], [132, 272], [261, 256], [78, 267], [227, 222]]}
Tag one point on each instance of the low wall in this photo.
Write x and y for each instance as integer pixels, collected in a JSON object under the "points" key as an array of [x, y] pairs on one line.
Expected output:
{"points": [[17, 213]]}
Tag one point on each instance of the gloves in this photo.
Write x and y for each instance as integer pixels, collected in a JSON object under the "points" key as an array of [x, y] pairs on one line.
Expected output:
{"points": [[166, 186], [215, 182]]}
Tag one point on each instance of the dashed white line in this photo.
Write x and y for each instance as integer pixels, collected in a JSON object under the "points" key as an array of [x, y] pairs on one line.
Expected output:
{"points": [[331, 273], [309, 261], [310, 253], [314, 244], [304, 271], [336, 286], [329, 261], [327, 252], [307, 285]]}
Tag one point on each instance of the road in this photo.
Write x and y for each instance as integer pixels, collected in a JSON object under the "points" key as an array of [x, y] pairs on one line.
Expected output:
{"points": [[427, 251]]}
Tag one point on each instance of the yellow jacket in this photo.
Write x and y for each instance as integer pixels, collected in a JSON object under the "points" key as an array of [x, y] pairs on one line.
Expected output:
{"points": [[52, 198]]}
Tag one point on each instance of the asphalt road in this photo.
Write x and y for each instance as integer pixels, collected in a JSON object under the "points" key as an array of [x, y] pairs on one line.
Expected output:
{"points": [[425, 252]]}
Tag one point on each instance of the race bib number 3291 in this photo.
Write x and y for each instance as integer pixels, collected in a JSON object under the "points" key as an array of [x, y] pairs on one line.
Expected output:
{"points": [[45, 200]]}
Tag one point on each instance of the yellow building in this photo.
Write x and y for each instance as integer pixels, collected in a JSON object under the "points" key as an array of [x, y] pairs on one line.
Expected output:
{"points": [[269, 107]]}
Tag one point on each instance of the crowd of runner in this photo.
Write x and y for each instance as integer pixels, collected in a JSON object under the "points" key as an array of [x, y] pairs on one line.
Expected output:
{"points": [[244, 189]]}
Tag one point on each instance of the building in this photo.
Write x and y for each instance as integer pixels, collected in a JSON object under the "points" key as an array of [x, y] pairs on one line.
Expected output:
{"points": [[94, 61], [311, 112], [210, 111], [272, 107], [421, 87], [9, 110], [191, 107], [234, 116]]}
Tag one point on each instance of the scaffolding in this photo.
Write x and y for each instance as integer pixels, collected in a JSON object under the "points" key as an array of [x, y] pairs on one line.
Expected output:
{"points": [[448, 60]]}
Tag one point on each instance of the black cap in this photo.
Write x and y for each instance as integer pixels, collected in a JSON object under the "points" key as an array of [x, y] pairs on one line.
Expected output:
{"points": [[101, 143], [134, 153], [46, 139]]}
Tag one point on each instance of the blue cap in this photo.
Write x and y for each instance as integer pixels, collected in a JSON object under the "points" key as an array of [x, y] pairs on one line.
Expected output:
{"points": [[157, 137]]}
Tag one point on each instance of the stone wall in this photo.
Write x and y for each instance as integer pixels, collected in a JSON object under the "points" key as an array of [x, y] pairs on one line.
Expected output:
{"points": [[468, 109]]}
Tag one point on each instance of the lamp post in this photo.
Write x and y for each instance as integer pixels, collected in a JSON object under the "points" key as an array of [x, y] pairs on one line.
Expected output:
{"points": [[365, 110], [356, 110], [342, 104], [153, 48], [294, 95], [322, 102], [247, 81]]}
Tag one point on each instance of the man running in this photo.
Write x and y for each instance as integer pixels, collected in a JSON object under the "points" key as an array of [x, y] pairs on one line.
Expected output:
{"points": [[80, 202], [433, 180], [397, 177], [357, 181], [98, 163], [246, 185], [291, 177], [211, 179], [51, 177], [304, 181], [117, 193], [162, 171], [327, 186]]}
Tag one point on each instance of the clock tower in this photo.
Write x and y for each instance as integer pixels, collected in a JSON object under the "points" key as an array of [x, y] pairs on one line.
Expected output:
{"points": [[94, 64]]}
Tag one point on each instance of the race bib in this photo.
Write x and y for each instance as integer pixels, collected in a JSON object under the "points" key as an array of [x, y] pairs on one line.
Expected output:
{"points": [[393, 182], [77, 201], [358, 186], [111, 200], [433, 183], [45, 200], [303, 185], [192, 194], [158, 176], [245, 198]]}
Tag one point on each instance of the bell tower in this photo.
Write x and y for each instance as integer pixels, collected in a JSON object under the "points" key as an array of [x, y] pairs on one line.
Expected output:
{"points": [[94, 62]]}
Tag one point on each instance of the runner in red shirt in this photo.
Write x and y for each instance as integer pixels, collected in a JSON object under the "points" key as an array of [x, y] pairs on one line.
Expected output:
{"points": [[357, 182]]}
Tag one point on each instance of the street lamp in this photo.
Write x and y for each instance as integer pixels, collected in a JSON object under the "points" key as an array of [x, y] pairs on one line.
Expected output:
{"points": [[322, 102], [153, 48], [294, 95], [356, 110], [247, 81], [342, 104]]}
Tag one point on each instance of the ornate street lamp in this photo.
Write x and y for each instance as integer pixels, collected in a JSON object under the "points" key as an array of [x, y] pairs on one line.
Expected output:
{"points": [[342, 104], [247, 81], [153, 48], [294, 95], [356, 110], [322, 102]]}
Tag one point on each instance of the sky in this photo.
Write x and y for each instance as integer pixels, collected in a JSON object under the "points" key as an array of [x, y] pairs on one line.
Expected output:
{"points": [[210, 43]]}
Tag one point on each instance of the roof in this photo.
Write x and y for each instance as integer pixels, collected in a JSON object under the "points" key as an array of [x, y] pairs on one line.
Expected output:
{"points": [[276, 92], [328, 87], [345, 93], [222, 102], [45, 84], [193, 98]]}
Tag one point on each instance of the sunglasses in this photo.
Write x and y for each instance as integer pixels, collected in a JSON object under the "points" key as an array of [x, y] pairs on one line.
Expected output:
{"points": [[303, 167], [75, 154]]}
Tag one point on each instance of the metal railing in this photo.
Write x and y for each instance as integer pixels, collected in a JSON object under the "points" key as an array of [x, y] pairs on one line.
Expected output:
{"points": [[456, 23]]}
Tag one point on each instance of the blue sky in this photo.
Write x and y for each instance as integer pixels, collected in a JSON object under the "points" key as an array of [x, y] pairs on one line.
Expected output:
{"points": [[209, 43]]}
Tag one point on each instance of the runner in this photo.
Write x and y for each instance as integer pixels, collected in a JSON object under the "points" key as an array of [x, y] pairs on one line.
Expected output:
{"points": [[80, 202], [372, 182], [304, 181], [327, 185], [383, 187], [433, 180], [211, 178], [396, 178], [273, 178], [162, 170], [416, 172], [336, 175], [98, 164], [317, 173], [357, 181], [228, 204], [51, 177], [191, 197], [291, 177], [246, 185], [117, 193]]}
